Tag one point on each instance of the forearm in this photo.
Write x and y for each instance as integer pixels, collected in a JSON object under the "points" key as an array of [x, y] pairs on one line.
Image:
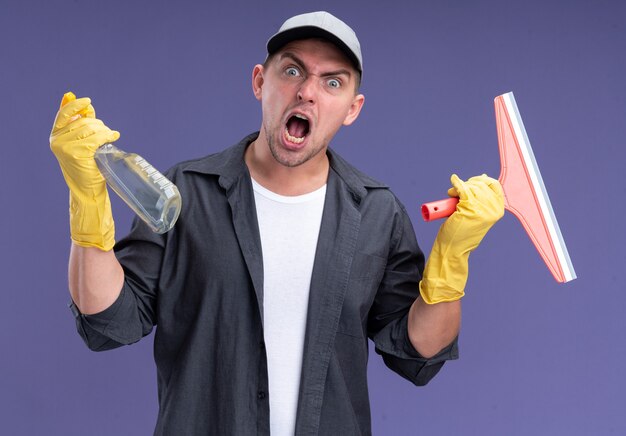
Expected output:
{"points": [[433, 326], [95, 278]]}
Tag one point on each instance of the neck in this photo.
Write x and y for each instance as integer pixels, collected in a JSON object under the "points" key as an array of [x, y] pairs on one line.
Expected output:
{"points": [[281, 179]]}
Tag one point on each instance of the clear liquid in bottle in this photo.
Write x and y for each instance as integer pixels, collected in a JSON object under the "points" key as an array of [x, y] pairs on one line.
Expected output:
{"points": [[153, 197]]}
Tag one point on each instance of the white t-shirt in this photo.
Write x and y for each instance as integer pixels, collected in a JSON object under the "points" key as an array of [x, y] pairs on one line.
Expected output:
{"points": [[289, 229]]}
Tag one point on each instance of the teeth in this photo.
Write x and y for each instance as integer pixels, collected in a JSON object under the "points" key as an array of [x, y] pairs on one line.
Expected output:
{"points": [[302, 117], [293, 139]]}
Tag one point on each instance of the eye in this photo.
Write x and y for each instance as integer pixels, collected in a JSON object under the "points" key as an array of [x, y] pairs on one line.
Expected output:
{"points": [[292, 71], [334, 83]]}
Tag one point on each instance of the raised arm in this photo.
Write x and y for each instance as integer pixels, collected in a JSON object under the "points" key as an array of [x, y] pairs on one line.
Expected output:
{"points": [[435, 318], [95, 275]]}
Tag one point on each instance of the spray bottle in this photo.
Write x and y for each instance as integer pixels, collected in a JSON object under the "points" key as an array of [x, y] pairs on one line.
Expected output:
{"points": [[153, 197]]}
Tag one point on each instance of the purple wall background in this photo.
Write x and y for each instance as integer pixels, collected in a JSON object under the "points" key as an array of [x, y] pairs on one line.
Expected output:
{"points": [[537, 358]]}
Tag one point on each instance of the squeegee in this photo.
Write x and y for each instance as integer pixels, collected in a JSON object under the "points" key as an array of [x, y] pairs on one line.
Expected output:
{"points": [[525, 194]]}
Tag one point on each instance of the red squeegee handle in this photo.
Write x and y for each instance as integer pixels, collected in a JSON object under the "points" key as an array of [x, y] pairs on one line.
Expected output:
{"points": [[439, 209]]}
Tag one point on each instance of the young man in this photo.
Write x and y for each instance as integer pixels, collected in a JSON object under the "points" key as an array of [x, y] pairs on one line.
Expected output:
{"points": [[284, 261]]}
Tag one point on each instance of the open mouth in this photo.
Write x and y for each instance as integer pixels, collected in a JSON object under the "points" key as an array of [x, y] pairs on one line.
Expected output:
{"points": [[296, 128]]}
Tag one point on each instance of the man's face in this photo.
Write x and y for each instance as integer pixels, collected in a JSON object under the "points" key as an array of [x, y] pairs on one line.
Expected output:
{"points": [[307, 92]]}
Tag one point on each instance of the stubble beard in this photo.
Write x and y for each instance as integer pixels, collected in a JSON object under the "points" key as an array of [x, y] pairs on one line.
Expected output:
{"points": [[288, 159]]}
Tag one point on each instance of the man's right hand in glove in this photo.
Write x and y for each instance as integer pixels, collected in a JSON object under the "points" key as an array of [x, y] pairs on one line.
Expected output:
{"points": [[95, 276], [75, 137]]}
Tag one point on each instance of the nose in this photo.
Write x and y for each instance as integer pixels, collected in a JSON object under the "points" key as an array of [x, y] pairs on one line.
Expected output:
{"points": [[307, 90]]}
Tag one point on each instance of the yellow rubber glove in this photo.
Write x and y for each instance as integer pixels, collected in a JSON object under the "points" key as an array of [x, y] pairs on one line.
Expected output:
{"points": [[75, 137], [481, 205]]}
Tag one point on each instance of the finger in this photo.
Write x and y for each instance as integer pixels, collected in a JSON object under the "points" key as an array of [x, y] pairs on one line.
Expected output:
{"points": [[81, 123], [459, 186], [67, 97], [90, 142], [69, 111], [90, 130], [483, 178], [104, 137], [89, 112], [115, 135], [66, 133], [492, 184], [82, 129], [496, 187], [489, 195]]}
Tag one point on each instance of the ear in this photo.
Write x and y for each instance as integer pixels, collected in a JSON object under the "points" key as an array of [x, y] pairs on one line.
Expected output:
{"points": [[355, 109], [257, 81]]}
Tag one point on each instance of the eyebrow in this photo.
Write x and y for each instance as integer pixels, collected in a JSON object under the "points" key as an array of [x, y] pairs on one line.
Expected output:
{"points": [[297, 60]]}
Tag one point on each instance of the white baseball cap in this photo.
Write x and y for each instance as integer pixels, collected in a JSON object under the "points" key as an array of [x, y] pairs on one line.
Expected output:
{"points": [[319, 25]]}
